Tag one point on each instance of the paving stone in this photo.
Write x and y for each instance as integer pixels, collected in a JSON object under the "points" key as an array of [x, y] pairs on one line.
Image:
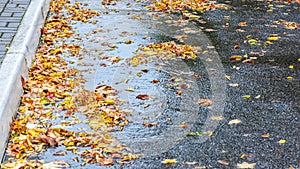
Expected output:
{"points": [[11, 5], [3, 24], [9, 14], [7, 29], [18, 14], [6, 41], [13, 25], [9, 19], [15, 9], [3, 47], [8, 35]]}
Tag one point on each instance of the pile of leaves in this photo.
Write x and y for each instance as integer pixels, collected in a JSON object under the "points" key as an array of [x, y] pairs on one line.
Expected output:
{"points": [[164, 51], [54, 92], [180, 5]]}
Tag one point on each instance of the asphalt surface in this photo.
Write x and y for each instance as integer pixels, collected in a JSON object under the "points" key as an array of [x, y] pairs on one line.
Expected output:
{"points": [[276, 111], [270, 114]]}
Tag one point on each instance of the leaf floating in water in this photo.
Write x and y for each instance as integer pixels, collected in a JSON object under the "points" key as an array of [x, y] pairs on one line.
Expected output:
{"points": [[142, 96], [130, 89]]}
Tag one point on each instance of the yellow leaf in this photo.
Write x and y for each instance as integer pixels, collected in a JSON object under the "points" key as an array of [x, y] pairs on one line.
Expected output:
{"points": [[281, 141], [272, 38], [169, 161], [139, 74], [289, 77], [246, 96], [134, 61], [252, 41], [242, 24], [235, 121], [110, 102], [217, 118], [291, 66], [246, 165], [128, 41], [130, 89], [33, 132]]}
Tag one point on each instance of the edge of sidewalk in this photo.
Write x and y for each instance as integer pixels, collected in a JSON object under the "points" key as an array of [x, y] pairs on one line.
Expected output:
{"points": [[18, 59]]}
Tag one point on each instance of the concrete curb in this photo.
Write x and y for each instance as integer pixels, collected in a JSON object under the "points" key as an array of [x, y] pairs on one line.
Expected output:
{"points": [[16, 63]]}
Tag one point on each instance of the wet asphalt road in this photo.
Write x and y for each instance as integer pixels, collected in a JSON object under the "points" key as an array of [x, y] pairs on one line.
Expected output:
{"points": [[276, 111], [272, 109]]}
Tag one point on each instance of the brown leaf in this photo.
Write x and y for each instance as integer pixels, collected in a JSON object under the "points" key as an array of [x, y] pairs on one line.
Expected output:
{"points": [[154, 81], [223, 162], [265, 135], [204, 102], [236, 57], [60, 153], [179, 92], [142, 96], [105, 161], [189, 163]]}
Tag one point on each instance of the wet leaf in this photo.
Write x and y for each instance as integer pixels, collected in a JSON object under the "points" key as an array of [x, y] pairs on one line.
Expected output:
{"points": [[154, 81], [190, 134], [150, 124], [204, 102], [265, 135], [130, 89], [235, 121], [134, 61], [128, 42], [257, 97], [282, 141], [223, 162], [233, 84], [243, 24], [110, 102], [246, 96], [189, 163], [236, 58], [142, 96], [244, 155], [217, 118], [169, 161], [60, 153], [272, 38], [246, 165]]}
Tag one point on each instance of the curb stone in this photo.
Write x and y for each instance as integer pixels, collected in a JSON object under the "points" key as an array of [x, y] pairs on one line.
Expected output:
{"points": [[15, 66]]}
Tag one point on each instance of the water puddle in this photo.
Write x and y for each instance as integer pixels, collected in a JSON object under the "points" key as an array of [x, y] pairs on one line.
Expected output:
{"points": [[167, 116]]}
